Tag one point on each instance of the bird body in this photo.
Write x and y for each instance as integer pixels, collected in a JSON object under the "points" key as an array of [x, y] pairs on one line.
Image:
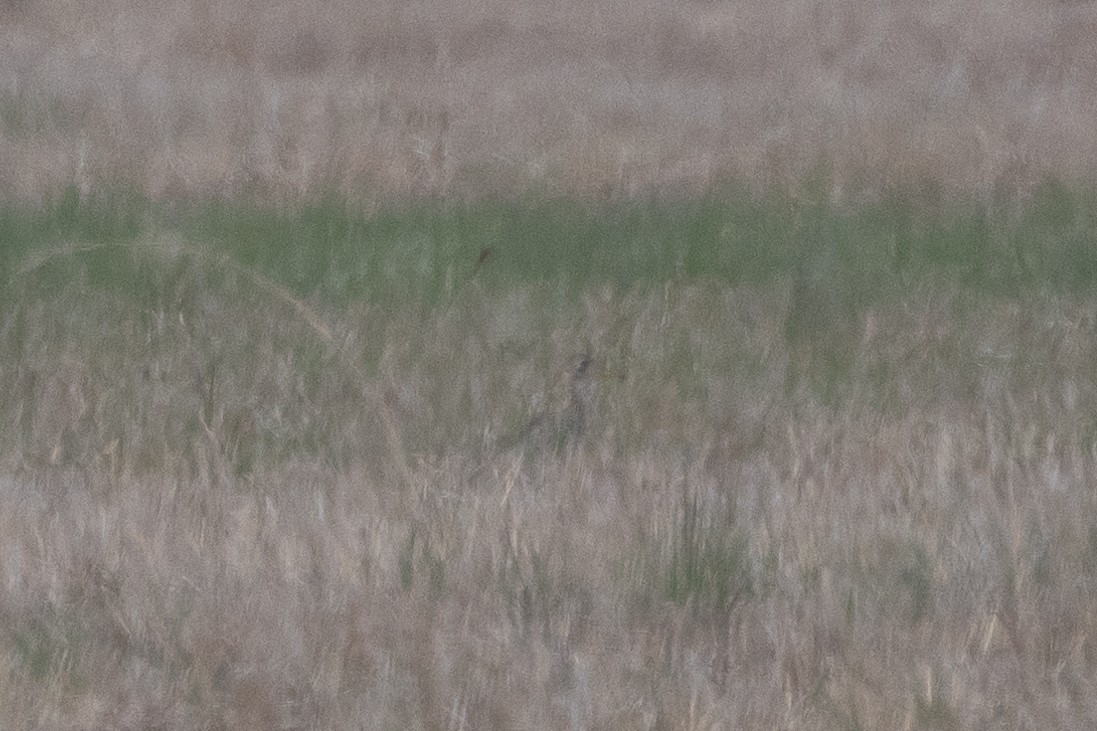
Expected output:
{"points": [[565, 425]]}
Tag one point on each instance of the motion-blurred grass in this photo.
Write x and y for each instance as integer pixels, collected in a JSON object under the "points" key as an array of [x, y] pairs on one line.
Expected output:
{"points": [[423, 252], [269, 468]]}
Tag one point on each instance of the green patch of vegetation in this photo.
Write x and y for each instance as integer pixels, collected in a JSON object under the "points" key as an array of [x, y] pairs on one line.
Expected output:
{"points": [[48, 645], [707, 564], [428, 251]]}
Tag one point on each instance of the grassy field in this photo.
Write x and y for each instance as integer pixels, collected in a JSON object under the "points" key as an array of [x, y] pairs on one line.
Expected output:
{"points": [[521, 365], [313, 468]]}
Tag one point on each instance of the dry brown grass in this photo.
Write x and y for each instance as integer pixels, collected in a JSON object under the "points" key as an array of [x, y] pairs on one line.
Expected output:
{"points": [[224, 507], [612, 97], [211, 517]]}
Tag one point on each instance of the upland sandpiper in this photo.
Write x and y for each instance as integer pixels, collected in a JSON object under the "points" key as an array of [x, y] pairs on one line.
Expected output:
{"points": [[557, 428]]}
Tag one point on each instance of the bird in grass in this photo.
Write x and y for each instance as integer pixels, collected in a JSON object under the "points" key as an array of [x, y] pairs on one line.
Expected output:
{"points": [[564, 426], [573, 420]]}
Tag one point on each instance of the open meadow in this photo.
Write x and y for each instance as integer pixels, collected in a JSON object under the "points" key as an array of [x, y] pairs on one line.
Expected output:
{"points": [[513, 365], [477, 481]]}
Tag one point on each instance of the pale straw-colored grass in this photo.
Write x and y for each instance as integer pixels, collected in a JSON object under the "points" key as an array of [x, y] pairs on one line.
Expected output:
{"points": [[616, 98], [728, 545]]}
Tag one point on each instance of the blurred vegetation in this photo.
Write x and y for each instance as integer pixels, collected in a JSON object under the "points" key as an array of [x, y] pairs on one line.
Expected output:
{"points": [[838, 426], [330, 249]]}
